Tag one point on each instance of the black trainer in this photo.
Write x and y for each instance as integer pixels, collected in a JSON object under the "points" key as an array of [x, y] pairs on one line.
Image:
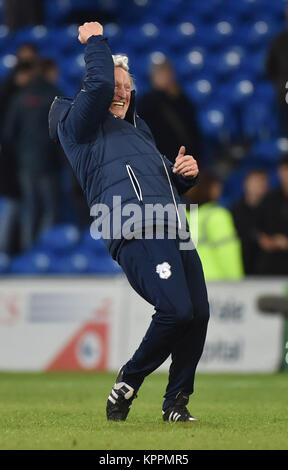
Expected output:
{"points": [[178, 411], [120, 399]]}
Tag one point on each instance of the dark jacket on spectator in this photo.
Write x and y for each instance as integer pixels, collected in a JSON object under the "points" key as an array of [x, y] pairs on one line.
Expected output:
{"points": [[26, 127], [8, 176], [274, 220], [173, 123], [245, 220], [277, 64]]}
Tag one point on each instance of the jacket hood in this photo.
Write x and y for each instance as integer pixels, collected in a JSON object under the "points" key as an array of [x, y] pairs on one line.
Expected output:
{"points": [[58, 111], [131, 111]]}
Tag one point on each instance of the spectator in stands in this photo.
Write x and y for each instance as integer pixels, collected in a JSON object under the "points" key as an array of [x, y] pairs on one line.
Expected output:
{"points": [[26, 53], [9, 185], [79, 205], [50, 70], [277, 71], [37, 165], [218, 244], [22, 13], [273, 227], [169, 113], [245, 213]]}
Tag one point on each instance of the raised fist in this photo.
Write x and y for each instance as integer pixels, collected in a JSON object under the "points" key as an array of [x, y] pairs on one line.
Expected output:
{"points": [[93, 28]]}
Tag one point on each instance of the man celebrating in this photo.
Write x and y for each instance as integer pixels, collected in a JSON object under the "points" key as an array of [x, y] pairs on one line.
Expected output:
{"points": [[113, 153]]}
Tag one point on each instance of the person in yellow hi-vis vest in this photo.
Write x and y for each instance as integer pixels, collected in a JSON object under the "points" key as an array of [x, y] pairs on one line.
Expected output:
{"points": [[218, 245]]}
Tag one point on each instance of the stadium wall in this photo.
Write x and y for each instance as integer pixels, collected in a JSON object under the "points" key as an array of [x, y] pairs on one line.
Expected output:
{"points": [[96, 324]]}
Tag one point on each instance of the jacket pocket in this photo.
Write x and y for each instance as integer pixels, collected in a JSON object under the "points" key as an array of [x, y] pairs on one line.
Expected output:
{"points": [[135, 183]]}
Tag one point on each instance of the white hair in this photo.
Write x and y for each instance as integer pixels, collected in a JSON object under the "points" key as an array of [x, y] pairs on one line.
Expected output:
{"points": [[122, 61]]}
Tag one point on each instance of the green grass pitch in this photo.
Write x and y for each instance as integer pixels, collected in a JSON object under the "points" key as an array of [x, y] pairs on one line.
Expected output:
{"points": [[67, 411]]}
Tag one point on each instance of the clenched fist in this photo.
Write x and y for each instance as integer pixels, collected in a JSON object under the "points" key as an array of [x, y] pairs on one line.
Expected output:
{"points": [[89, 29], [185, 165]]}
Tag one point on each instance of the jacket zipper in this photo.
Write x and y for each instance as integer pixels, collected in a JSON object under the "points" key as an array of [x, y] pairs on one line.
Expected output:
{"points": [[172, 192], [168, 177], [135, 183]]}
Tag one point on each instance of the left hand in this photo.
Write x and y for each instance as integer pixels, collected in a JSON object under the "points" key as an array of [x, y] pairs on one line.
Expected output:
{"points": [[185, 165]]}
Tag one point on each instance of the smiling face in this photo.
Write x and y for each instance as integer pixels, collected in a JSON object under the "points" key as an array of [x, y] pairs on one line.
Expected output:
{"points": [[122, 93]]}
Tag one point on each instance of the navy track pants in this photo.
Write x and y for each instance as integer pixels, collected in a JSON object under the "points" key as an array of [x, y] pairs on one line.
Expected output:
{"points": [[179, 325]]}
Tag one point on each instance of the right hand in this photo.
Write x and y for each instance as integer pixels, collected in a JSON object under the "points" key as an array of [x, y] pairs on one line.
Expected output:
{"points": [[93, 28]]}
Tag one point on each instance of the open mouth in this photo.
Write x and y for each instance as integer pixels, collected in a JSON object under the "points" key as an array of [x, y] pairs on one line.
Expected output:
{"points": [[118, 103]]}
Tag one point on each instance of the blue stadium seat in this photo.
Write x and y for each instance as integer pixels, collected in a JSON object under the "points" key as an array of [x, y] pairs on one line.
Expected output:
{"points": [[73, 69], [256, 122], [65, 40], [39, 35], [237, 91], [58, 11], [192, 63], [55, 11], [255, 64], [233, 186], [84, 262], [34, 262], [114, 33], [200, 90], [273, 178], [104, 266], [167, 12], [261, 32], [6, 40], [94, 244], [74, 263], [217, 121], [227, 63], [275, 9], [205, 11], [182, 37], [258, 33], [90, 256], [265, 91], [270, 150], [194, 33], [7, 63], [143, 38], [246, 9], [61, 238], [68, 88], [221, 35], [135, 11], [5, 261]]}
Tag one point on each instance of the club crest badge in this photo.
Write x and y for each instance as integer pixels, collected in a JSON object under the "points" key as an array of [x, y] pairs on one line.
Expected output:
{"points": [[164, 270]]}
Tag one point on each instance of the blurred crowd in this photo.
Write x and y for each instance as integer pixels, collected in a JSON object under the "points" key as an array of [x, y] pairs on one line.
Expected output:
{"points": [[31, 164], [249, 237]]}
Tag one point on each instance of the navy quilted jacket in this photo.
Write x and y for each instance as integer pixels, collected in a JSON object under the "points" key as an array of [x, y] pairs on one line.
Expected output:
{"points": [[112, 156]]}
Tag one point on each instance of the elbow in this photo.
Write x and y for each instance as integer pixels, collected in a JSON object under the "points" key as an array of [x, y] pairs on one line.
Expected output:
{"points": [[100, 94], [108, 85], [108, 88], [105, 85]]}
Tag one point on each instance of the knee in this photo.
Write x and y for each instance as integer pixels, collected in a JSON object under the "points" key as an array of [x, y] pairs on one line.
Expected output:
{"points": [[202, 313], [197, 311], [185, 314]]}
